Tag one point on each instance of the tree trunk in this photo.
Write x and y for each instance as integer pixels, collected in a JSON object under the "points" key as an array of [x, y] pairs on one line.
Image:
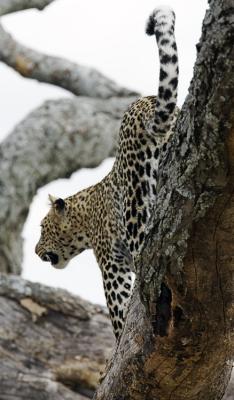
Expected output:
{"points": [[179, 344], [53, 345]]}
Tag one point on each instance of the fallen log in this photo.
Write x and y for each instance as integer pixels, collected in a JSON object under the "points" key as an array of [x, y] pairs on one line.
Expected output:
{"points": [[53, 345]]}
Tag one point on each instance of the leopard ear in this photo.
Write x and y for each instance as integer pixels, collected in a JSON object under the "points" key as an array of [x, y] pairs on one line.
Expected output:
{"points": [[52, 199], [58, 204]]}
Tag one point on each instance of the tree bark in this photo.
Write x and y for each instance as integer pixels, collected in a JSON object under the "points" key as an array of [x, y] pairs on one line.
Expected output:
{"points": [[179, 344], [52, 142], [53, 345]]}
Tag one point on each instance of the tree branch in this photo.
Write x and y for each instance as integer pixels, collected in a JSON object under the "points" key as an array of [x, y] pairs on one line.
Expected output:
{"points": [[79, 80], [180, 345], [10, 6], [46, 342], [52, 142]]}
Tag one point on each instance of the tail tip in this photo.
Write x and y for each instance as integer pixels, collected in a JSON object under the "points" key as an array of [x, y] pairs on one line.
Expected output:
{"points": [[163, 12]]}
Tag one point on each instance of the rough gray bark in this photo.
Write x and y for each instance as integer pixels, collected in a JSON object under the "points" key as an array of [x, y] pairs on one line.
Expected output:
{"points": [[9, 6], [52, 142], [179, 345], [53, 345]]}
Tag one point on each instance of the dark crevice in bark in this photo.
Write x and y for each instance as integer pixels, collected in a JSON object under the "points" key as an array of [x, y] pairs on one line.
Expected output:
{"points": [[83, 391], [163, 311], [79, 389], [178, 316]]}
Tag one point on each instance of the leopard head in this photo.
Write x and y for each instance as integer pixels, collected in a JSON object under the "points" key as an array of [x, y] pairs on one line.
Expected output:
{"points": [[62, 234]]}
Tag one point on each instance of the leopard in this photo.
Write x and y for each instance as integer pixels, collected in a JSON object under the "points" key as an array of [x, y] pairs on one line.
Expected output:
{"points": [[111, 216]]}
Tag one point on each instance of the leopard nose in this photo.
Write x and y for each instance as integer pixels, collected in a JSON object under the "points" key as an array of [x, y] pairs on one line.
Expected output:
{"points": [[50, 256], [45, 257]]}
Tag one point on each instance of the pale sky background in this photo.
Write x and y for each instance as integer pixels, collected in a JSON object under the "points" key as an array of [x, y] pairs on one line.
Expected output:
{"points": [[109, 36]]}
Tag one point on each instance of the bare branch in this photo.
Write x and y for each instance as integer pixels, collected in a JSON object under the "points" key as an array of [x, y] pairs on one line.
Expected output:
{"points": [[10, 6], [47, 342], [58, 71], [77, 79], [52, 142]]}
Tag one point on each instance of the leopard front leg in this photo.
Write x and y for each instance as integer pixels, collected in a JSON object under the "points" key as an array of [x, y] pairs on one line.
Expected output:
{"points": [[117, 282]]}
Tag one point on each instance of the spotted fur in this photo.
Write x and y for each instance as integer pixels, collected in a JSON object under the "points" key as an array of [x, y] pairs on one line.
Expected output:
{"points": [[110, 217]]}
